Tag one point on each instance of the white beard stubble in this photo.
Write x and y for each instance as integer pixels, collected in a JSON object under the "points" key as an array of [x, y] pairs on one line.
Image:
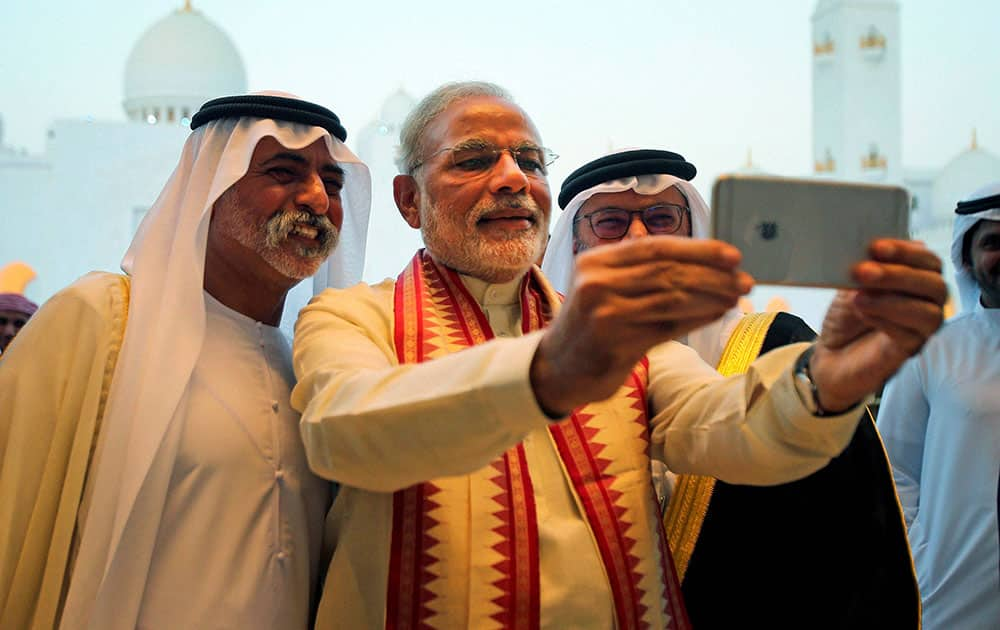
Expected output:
{"points": [[469, 252], [267, 238]]}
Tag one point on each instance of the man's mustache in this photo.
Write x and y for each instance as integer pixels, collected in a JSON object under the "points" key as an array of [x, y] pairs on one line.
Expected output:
{"points": [[280, 226], [513, 202]]}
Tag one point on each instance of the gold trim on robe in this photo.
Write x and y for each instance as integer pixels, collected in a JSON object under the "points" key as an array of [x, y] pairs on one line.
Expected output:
{"points": [[692, 493]]}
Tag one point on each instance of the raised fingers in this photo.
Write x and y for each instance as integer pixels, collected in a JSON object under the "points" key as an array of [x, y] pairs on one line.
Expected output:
{"points": [[909, 253], [920, 317], [905, 341], [664, 276], [678, 305], [901, 278]]}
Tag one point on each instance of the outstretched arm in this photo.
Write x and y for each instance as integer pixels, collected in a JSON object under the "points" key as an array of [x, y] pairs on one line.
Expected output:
{"points": [[371, 423]]}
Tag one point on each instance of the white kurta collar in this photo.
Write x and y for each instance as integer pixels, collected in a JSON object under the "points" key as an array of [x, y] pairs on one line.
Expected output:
{"points": [[489, 294]]}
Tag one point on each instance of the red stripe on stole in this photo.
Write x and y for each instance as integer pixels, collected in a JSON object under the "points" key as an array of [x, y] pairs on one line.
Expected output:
{"points": [[531, 311], [464, 306], [573, 445], [673, 598], [519, 582], [403, 596], [409, 288], [403, 585], [673, 604], [407, 594]]}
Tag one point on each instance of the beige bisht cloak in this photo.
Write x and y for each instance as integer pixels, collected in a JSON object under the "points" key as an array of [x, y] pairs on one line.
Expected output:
{"points": [[50, 411]]}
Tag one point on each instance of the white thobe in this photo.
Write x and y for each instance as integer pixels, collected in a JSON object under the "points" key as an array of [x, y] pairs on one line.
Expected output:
{"points": [[377, 427], [940, 421], [239, 543]]}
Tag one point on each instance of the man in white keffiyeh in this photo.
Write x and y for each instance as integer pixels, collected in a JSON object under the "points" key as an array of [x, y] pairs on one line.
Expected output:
{"points": [[151, 472], [659, 180], [940, 419]]}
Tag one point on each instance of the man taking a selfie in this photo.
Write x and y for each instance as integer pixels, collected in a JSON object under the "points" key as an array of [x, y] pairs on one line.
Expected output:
{"points": [[493, 440]]}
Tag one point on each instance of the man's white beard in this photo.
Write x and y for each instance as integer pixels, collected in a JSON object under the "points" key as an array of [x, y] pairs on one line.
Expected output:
{"points": [[468, 252], [267, 239]]}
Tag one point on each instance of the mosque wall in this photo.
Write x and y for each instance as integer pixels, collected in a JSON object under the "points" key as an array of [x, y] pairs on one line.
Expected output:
{"points": [[78, 212], [377, 147]]}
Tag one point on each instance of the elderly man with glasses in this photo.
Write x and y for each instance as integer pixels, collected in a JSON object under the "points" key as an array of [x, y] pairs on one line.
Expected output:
{"points": [[493, 442], [832, 541]]}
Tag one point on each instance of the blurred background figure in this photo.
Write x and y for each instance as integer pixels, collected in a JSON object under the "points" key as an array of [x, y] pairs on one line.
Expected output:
{"points": [[15, 310]]}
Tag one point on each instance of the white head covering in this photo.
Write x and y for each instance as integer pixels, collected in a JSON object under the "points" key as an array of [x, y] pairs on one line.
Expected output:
{"points": [[558, 266], [989, 197], [166, 326]]}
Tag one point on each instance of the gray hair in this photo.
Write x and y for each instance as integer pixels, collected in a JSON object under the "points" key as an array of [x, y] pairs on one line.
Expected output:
{"points": [[412, 147]]}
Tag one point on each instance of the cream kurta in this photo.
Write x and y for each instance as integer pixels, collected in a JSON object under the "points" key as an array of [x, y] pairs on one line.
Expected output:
{"points": [[241, 531], [377, 427]]}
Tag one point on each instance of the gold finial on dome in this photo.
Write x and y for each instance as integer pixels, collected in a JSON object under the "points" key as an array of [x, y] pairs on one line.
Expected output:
{"points": [[975, 141], [749, 163], [187, 6]]}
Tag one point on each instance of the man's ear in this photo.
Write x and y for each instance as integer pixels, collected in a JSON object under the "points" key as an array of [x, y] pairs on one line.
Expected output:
{"points": [[406, 193]]}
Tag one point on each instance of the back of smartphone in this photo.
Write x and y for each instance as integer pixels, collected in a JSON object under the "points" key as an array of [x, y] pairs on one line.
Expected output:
{"points": [[807, 232]]}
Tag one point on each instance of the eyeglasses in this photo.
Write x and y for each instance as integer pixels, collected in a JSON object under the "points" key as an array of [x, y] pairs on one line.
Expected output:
{"points": [[609, 223], [480, 157]]}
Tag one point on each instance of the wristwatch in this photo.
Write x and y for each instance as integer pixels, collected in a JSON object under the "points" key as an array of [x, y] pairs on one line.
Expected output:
{"points": [[805, 386]]}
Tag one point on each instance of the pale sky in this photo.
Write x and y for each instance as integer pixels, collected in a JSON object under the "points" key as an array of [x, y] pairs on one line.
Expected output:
{"points": [[709, 79]]}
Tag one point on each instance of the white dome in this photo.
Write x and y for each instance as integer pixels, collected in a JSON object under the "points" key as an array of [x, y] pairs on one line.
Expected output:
{"points": [[396, 108], [179, 63]]}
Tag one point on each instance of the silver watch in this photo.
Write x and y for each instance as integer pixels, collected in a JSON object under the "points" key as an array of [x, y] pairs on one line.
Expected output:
{"points": [[805, 386]]}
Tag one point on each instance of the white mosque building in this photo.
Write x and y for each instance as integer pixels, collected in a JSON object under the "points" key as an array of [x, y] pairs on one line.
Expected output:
{"points": [[376, 145], [75, 207], [79, 203]]}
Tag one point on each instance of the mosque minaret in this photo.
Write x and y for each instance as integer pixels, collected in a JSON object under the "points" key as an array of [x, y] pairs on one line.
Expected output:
{"points": [[856, 90]]}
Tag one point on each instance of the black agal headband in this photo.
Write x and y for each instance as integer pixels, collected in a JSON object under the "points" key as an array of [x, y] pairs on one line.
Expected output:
{"points": [[972, 206], [274, 107], [624, 164]]}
